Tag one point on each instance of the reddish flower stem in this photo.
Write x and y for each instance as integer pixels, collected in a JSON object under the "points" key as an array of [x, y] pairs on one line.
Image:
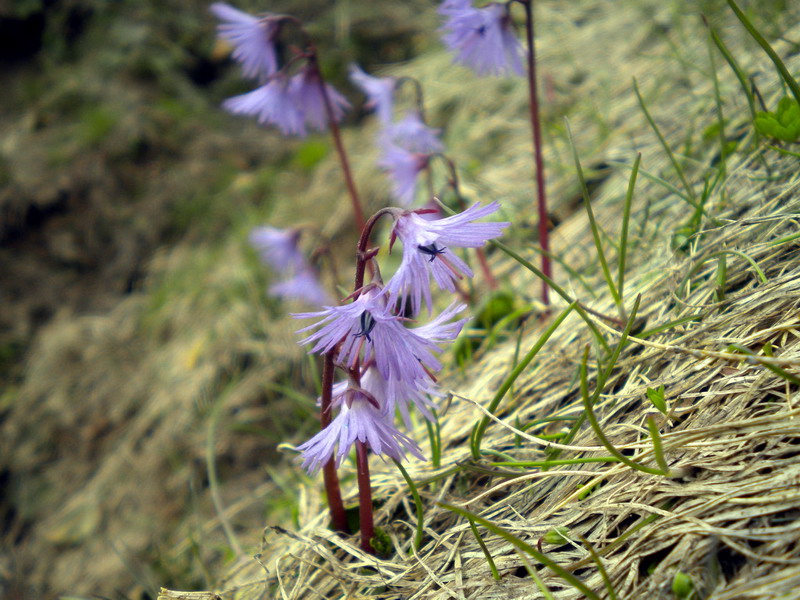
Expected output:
{"points": [[358, 212], [332, 489], [365, 520], [536, 129]]}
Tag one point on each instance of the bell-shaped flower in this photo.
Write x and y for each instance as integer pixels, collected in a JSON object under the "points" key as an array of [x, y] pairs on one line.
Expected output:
{"points": [[306, 92], [367, 329], [412, 134], [253, 39], [404, 168], [361, 418], [303, 285], [278, 248], [379, 92], [273, 103], [427, 252], [482, 38]]}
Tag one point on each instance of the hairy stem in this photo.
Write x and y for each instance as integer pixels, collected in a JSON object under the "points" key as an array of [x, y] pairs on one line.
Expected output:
{"points": [[364, 498]]}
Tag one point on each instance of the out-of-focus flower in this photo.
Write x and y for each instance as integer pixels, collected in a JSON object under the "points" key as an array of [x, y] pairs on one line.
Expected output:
{"points": [[303, 285], [482, 38], [273, 103], [404, 168], [358, 419], [253, 39], [278, 248], [412, 134], [426, 252], [379, 92], [306, 93]]}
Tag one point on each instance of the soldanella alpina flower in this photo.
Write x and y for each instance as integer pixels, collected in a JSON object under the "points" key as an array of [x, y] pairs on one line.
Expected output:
{"points": [[306, 89], [404, 168], [303, 285], [361, 418], [253, 39], [412, 134], [278, 248], [367, 329], [379, 92], [482, 38], [427, 252], [273, 103]]}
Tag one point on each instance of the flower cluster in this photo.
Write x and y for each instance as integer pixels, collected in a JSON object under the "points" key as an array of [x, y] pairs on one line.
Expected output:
{"points": [[291, 102]]}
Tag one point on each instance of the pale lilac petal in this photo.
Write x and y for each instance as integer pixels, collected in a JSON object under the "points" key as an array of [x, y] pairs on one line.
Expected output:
{"points": [[305, 286], [379, 92], [253, 39], [306, 94], [278, 248], [427, 252], [404, 168], [270, 104], [412, 134], [482, 38]]}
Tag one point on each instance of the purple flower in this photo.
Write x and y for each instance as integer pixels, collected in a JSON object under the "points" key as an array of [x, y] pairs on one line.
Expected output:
{"points": [[303, 285], [426, 252], [404, 167], [399, 394], [253, 39], [482, 38], [278, 248], [358, 419], [412, 134], [368, 324], [273, 103], [379, 91], [306, 93]]}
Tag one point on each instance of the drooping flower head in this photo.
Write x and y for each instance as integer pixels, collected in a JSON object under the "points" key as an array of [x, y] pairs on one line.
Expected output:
{"points": [[482, 38], [404, 168], [278, 248], [303, 285], [253, 39], [273, 103], [359, 419], [367, 329], [412, 134], [427, 252], [306, 91], [379, 92]]}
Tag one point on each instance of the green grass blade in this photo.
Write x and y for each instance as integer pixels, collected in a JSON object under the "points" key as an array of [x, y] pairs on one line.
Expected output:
{"points": [[658, 447], [692, 197], [623, 236], [480, 428], [587, 203], [417, 503], [737, 70], [773, 56], [527, 548], [489, 559], [612, 593]]}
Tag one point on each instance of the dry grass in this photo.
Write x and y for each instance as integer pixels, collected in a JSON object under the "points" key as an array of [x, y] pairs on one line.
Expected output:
{"points": [[730, 518]]}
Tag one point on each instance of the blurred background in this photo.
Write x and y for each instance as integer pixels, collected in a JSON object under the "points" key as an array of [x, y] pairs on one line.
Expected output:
{"points": [[137, 341]]}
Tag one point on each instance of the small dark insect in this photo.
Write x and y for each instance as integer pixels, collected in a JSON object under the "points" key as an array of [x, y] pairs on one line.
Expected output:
{"points": [[431, 250], [367, 325]]}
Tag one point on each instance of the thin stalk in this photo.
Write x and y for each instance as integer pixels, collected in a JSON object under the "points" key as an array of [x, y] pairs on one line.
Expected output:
{"points": [[587, 203], [480, 428], [536, 131], [417, 503], [623, 236], [365, 521], [737, 70], [658, 447], [358, 211], [486, 553], [776, 60], [332, 489]]}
